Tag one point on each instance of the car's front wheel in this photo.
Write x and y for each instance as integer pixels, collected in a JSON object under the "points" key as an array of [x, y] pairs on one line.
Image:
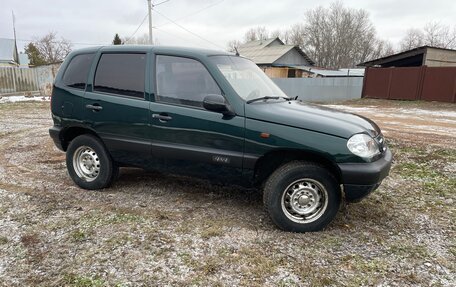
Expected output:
{"points": [[301, 197], [89, 163]]}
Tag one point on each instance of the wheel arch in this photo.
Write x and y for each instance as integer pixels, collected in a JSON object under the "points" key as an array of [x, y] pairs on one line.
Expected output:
{"points": [[68, 134], [272, 160]]}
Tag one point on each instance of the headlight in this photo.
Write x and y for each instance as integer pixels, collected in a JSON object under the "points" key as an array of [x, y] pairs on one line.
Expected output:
{"points": [[363, 145]]}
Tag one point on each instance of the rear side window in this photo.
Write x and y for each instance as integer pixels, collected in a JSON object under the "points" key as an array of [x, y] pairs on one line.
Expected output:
{"points": [[76, 73], [121, 74]]}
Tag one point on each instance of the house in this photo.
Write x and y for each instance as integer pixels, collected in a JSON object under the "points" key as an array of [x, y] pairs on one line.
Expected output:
{"points": [[8, 53], [421, 56], [275, 58]]}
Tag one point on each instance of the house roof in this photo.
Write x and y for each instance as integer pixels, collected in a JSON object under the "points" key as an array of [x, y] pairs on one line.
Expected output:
{"points": [[260, 43], [406, 57], [262, 52], [7, 50]]}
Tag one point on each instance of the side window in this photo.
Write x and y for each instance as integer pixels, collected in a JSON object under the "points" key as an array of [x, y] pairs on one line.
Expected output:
{"points": [[121, 74], [76, 73], [183, 81]]}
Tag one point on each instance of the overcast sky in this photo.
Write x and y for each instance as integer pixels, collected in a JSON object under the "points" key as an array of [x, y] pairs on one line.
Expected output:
{"points": [[95, 22]]}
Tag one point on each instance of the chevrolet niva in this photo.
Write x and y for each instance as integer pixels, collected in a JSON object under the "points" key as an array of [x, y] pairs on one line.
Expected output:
{"points": [[212, 115]]}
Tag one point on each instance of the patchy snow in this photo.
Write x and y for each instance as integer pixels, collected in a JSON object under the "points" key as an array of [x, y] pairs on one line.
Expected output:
{"points": [[397, 112], [352, 109], [14, 99], [434, 113]]}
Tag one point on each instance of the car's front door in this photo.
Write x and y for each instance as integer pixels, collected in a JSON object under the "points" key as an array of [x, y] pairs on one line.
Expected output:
{"points": [[188, 138]]}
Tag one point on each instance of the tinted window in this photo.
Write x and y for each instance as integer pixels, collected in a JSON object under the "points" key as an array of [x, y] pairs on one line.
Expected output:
{"points": [[75, 75], [121, 74], [183, 81]]}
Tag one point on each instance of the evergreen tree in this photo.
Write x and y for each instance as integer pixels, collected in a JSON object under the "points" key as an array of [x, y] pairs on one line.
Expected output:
{"points": [[35, 57], [117, 40]]}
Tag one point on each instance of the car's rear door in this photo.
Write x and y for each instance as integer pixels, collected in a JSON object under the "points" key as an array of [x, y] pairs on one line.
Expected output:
{"points": [[116, 105], [188, 138]]}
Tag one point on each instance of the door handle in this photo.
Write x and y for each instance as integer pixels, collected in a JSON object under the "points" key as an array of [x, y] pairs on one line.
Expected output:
{"points": [[94, 107], [162, 117]]}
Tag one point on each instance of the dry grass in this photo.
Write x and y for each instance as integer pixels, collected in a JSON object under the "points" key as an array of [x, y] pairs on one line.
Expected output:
{"points": [[152, 229]]}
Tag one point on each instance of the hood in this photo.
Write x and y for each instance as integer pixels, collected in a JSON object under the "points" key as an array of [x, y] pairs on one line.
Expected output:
{"points": [[311, 117]]}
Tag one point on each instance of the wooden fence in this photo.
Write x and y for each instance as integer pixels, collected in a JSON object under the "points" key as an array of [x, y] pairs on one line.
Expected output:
{"points": [[16, 80]]}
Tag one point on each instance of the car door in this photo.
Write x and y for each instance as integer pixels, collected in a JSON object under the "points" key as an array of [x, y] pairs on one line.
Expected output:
{"points": [[116, 107], [188, 138]]}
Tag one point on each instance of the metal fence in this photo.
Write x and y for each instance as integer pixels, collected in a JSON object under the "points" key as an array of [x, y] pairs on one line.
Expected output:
{"points": [[15, 80], [322, 89], [411, 83], [39, 80]]}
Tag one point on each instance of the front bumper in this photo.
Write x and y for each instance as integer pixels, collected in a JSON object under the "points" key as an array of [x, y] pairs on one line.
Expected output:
{"points": [[360, 179]]}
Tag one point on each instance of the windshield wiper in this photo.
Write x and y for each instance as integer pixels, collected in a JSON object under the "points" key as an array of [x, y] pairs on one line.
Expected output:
{"points": [[264, 98]]}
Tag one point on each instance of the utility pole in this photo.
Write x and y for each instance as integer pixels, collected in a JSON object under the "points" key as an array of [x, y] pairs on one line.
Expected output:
{"points": [[149, 4]]}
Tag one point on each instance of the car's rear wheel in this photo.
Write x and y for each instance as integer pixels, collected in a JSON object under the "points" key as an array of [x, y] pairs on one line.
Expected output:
{"points": [[89, 163], [302, 196]]}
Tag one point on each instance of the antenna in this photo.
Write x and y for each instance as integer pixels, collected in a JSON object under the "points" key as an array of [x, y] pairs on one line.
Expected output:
{"points": [[14, 25], [16, 54], [237, 52]]}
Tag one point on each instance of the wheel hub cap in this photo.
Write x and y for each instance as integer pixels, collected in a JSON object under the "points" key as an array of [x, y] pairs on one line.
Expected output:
{"points": [[86, 163], [304, 200]]}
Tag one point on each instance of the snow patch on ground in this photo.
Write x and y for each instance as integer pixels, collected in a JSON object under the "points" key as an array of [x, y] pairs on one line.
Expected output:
{"points": [[434, 113], [14, 99]]}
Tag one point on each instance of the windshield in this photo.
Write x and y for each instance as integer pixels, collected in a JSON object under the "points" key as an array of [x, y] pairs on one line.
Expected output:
{"points": [[249, 81]]}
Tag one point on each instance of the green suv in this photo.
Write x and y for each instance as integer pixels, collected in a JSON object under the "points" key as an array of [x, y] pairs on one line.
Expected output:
{"points": [[212, 115]]}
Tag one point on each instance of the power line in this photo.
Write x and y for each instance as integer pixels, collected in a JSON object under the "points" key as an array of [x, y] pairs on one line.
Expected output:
{"points": [[142, 22], [153, 5], [183, 28], [71, 42], [191, 14], [177, 36]]}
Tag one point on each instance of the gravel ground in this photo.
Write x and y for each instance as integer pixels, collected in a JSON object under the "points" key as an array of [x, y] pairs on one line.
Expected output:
{"points": [[152, 229]]}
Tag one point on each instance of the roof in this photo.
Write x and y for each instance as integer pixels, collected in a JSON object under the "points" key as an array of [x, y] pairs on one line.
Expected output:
{"points": [[156, 49], [262, 52], [413, 55], [260, 43], [8, 50], [333, 73]]}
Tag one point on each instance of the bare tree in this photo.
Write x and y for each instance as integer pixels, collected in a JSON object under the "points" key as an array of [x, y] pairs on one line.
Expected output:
{"points": [[333, 37], [438, 35], [52, 50], [297, 35], [253, 34], [433, 34], [412, 39], [338, 37], [383, 48], [139, 40], [233, 45], [257, 33]]}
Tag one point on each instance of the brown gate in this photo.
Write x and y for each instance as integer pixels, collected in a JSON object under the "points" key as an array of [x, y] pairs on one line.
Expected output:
{"points": [[411, 83]]}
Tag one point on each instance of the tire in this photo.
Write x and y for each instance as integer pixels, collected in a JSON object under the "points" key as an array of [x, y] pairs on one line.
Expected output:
{"points": [[302, 197], [89, 164]]}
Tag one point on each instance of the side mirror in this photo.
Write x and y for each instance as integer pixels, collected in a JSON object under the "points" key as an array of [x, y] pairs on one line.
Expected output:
{"points": [[217, 103]]}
